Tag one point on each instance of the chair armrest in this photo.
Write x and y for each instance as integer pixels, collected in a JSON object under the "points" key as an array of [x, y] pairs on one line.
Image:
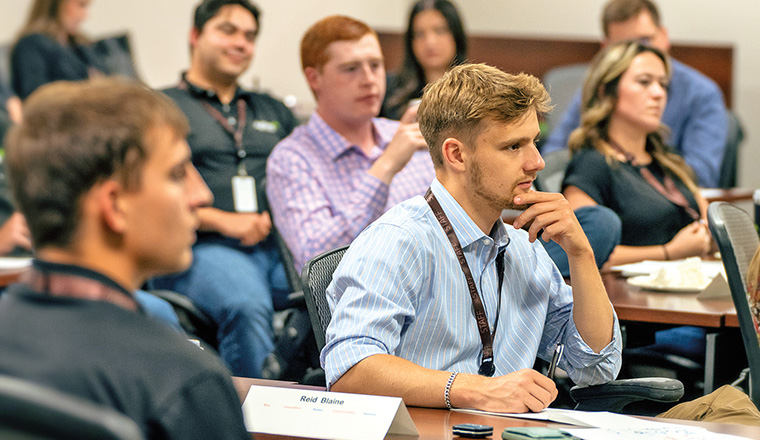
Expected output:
{"points": [[615, 395], [193, 320]]}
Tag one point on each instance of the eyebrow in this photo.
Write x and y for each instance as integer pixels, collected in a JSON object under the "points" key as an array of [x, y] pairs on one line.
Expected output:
{"points": [[519, 140]]}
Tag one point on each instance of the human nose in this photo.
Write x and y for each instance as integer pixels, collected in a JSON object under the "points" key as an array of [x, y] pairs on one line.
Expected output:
{"points": [[199, 193], [240, 40], [369, 74], [659, 91], [535, 162]]}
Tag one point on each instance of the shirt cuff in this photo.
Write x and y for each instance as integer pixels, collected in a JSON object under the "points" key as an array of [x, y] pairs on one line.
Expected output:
{"points": [[338, 358]]}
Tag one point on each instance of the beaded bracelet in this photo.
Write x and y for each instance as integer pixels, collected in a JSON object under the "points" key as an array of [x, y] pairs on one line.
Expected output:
{"points": [[448, 390]]}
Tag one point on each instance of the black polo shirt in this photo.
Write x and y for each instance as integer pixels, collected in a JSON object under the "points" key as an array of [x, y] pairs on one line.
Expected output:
{"points": [[213, 148]]}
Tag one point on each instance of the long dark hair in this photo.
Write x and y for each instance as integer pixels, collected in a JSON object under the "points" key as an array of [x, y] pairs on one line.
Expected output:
{"points": [[410, 79]]}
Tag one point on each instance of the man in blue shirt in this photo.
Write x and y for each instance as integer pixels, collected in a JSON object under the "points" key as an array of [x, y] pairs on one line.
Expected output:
{"points": [[695, 112], [409, 321]]}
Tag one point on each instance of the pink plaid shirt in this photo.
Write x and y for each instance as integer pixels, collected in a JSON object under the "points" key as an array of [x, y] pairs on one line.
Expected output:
{"points": [[320, 194]]}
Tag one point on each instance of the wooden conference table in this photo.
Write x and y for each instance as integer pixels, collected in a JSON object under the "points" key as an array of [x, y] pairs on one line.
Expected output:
{"points": [[717, 316], [436, 424]]}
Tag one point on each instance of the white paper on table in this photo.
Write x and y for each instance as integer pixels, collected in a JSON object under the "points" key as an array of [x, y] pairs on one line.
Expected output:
{"points": [[322, 414], [648, 267], [666, 432], [589, 419], [14, 263]]}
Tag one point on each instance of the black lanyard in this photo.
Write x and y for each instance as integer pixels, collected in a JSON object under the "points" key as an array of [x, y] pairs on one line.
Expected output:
{"points": [[237, 135], [670, 191], [487, 367]]}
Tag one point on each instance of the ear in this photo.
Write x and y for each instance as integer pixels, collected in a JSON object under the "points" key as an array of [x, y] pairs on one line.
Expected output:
{"points": [[454, 153], [312, 78], [109, 204], [194, 34]]}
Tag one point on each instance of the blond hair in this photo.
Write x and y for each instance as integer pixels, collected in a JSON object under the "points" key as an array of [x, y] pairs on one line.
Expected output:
{"points": [[455, 104], [598, 102]]}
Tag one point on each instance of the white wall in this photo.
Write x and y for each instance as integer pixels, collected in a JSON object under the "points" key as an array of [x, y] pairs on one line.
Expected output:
{"points": [[159, 30]]}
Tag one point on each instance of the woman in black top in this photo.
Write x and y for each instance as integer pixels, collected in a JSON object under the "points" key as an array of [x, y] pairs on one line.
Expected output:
{"points": [[620, 160], [51, 48], [433, 42]]}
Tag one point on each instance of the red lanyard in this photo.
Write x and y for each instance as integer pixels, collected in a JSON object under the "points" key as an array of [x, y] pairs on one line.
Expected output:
{"points": [[487, 367], [74, 286], [670, 191]]}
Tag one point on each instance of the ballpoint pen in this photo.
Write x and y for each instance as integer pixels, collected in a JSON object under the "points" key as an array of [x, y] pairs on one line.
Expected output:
{"points": [[555, 360]]}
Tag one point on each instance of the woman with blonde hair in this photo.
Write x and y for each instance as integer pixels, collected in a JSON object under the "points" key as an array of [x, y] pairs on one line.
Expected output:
{"points": [[620, 160], [51, 47]]}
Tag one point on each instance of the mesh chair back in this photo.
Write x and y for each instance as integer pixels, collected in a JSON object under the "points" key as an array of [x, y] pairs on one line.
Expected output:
{"points": [[31, 411], [737, 239], [315, 277]]}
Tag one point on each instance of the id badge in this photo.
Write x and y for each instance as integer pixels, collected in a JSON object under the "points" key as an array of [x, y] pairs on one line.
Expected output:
{"points": [[244, 194]]}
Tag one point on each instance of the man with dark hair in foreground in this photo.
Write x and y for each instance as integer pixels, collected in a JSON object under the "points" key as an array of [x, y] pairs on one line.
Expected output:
{"points": [[102, 172]]}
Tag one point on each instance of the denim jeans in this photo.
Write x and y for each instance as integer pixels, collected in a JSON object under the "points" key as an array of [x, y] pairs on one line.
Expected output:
{"points": [[602, 227], [235, 285]]}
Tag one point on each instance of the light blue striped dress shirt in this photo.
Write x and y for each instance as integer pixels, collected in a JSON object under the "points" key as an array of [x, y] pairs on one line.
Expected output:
{"points": [[399, 290]]}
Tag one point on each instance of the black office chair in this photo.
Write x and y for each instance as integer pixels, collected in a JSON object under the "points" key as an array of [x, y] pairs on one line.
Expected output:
{"points": [[728, 167], [30, 411], [195, 322], [295, 356], [613, 396], [116, 54], [315, 277], [736, 236]]}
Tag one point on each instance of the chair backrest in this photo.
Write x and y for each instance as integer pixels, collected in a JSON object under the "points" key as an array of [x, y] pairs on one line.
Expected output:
{"points": [[562, 82], [315, 277], [550, 178], [116, 55], [31, 411], [288, 262], [737, 239], [728, 168]]}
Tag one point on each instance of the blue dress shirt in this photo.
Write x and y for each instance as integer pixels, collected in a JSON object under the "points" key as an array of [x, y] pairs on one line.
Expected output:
{"points": [[399, 290], [695, 114]]}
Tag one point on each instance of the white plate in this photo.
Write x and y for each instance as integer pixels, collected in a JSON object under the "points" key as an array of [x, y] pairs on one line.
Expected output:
{"points": [[646, 282]]}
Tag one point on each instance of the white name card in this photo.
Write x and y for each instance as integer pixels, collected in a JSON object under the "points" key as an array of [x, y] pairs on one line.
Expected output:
{"points": [[717, 289], [328, 415]]}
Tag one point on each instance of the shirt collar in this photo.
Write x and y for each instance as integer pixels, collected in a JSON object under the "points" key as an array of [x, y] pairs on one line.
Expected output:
{"points": [[465, 228], [333, 142], [209, 94]]}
